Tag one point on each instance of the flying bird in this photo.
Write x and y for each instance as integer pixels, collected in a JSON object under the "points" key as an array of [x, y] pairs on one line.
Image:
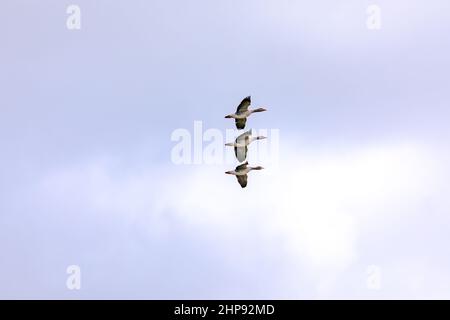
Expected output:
{"points": [[241, 143], [243, 112], [241, 173]]}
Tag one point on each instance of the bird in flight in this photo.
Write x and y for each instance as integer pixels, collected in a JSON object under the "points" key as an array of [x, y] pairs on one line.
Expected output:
{"points": [[241, 143], [241, 173], [242, 112]]}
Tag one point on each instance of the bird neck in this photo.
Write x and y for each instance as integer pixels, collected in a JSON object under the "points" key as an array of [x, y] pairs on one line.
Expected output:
{"points": [[257, 110], [256, 138]]}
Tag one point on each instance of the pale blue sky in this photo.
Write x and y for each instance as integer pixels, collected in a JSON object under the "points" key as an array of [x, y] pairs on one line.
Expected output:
{"points": [[86, 176]]}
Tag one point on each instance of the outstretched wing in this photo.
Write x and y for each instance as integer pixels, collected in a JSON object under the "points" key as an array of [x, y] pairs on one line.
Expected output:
{"points": [[240, 123], [242, 166], [243, 106], [242, 180], [241, 153]]}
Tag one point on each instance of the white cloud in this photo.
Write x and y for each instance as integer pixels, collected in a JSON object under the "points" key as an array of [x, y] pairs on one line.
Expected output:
{"points": [[317, 201]]}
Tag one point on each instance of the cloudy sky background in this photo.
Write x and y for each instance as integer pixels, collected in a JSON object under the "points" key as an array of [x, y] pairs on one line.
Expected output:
{"points": [[361, 182]]}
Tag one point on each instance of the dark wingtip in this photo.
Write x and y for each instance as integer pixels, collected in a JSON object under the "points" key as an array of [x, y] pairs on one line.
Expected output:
{"points": [[240, 125]]}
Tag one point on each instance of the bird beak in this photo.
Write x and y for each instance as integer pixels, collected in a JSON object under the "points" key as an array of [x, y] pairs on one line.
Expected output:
{"points": [[227, 117], [262, 137], [228, 172]]}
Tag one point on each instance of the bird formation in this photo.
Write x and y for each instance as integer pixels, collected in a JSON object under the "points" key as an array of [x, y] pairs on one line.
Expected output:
{"points": [[243, 141]]}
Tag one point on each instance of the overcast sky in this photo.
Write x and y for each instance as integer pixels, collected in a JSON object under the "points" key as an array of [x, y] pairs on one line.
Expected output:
{"points": [[359, 190]]}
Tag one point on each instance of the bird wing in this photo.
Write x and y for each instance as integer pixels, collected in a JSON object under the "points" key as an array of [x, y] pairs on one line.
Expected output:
{"points": [[243, 106], [242, 166], [241, 153], [243, 137], [240, 123], [242, 180]]}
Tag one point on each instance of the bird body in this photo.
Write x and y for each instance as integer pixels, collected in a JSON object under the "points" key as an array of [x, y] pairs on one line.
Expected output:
{"points": [[243, 112], [239, 116], [241, 143], [241, 172]]}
